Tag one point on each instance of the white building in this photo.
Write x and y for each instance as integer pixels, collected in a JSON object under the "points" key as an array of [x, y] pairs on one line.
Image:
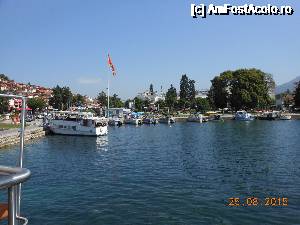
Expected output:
{"points": [[201, 94], [152, 97]]}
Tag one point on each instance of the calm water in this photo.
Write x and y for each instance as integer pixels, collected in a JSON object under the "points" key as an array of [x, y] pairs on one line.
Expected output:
{"points": [[182, 174]]}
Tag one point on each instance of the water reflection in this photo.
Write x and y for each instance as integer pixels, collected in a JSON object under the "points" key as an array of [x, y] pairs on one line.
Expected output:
{"points": [[102, 143]]}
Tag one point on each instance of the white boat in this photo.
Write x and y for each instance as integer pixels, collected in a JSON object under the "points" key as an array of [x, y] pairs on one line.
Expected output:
{"points": [[78, 123], [133, 121], [285, 117], [195, 118], [243, 116], [115, 121], [167, 119]]}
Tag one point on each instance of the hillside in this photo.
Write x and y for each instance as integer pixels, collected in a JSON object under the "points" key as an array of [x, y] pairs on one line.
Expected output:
{"points": [[287, 86]]}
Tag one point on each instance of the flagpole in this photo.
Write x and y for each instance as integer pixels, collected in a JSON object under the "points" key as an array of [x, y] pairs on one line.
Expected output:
{"points": [[108, 97]]}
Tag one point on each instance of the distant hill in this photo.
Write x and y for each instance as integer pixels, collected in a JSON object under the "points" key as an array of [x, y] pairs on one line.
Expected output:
{"points": [[289, 85]]}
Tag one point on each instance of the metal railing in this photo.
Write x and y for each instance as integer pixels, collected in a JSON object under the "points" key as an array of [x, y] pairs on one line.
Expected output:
{"points": [[14, 191]]}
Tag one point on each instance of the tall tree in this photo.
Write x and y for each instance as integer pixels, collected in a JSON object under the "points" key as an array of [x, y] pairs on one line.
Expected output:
{"points": [[138, 104], [56, 101], [102, 99], [219, 95], [191, 91], [36, 104], [201, 105], [78, 100], [61, 98], [249, 89], [297, 95], [171, 97], [184, 87], [151, 89], [3, 104], [4, 77], [115, 102]]}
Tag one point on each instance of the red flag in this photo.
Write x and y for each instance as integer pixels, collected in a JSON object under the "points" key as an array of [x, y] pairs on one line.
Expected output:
{"points": [[111, 65]]}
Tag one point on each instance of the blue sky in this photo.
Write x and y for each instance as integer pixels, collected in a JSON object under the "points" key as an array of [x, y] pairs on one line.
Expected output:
{"points": [[66, 42]]}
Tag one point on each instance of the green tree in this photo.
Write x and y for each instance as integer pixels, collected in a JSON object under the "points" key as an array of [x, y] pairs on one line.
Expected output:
{"points": [[151, 89], [115, 102], [138, 104], [297, 95], [4, 77], [219, 95], [171, 97], [36, 104], [184, 87], [191, 91], [61, 98], [160, 104], [249, 89], [102, 98], [3, 103], [201, 105], [78, 100]]}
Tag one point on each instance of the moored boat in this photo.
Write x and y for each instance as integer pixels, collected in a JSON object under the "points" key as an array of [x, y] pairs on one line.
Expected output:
{"points": [[133, 121], [269, 116], [115, 121], [167, 119], [243, 116], [150, 120], [78, 123], [285, 117], [195, 118]]}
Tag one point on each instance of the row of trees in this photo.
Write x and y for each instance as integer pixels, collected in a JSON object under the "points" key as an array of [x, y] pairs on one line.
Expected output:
{"points": [[114, 101]]}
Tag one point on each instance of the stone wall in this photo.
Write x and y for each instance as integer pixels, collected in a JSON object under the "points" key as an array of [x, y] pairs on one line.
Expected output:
{"points": [[12, 137]]}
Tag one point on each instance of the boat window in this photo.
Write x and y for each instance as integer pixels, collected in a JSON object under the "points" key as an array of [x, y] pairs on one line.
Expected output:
{"points": [[60, 126], [74, 127]]}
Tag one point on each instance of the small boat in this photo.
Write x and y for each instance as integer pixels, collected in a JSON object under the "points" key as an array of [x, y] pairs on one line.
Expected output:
{"points": [[243, 116], [167, 119], [195, 118], [133, 121], [216, 117], [150, 120], [269, 116], [285, 117], [115, 121], [78, 123]]}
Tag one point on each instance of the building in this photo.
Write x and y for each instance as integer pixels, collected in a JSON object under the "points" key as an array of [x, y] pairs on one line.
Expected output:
{"points": [[201, 94], [152, 97], [117, 112]]}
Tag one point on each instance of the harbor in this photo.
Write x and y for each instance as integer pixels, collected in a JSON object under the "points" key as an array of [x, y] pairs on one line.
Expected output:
{"points": [[160, 175]]}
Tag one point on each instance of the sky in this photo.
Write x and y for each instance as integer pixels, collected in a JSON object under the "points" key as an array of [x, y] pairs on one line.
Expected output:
{"points": [[66, 42]]}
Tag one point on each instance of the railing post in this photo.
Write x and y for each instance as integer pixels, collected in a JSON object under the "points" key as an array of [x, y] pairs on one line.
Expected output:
{"points": [[12, 206]]}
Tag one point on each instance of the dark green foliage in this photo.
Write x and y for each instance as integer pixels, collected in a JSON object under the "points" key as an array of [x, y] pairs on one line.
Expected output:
{"points": [[171, 97], [3, 103], [102, 98], [62, 98], [242, 89], [184, 87], [78, 100], [297, 95], [138, 104], [36, 103], [219, 91], [249, 89], [201, 105], [4, 77], [115, 102]]}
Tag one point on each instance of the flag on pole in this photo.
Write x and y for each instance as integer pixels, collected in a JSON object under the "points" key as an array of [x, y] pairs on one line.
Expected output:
{"points": [[111, 65]]}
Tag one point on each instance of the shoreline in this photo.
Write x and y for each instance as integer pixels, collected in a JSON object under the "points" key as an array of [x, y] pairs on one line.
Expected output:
{"points": [[12, 136]]}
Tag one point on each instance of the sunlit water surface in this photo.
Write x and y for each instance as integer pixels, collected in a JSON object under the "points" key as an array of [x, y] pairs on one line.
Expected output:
{"points": [[183, 174]]}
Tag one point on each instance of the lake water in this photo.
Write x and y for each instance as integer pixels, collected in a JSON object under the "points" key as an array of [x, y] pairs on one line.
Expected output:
{"points": [[181, 174]]}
